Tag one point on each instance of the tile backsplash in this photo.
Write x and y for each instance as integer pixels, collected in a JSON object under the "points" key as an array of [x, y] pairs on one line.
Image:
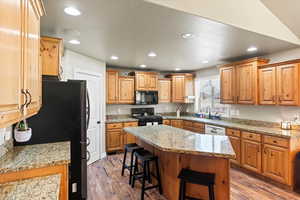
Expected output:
{"points": [[6, 141]]}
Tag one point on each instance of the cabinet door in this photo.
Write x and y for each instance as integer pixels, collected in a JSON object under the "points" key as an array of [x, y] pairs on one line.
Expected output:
{"points": [[275, 163], [152, 82], [126, 90], [166, 122], [177, 123], [236, 145], [288, 84], [32, 79], [164, 92], [178, 87], [227, 76], [267, 86], [112, 79], [129, 138], [246, 83], [114, 140], [251, 155], [11, 77], [51, 49], [141, 81]]}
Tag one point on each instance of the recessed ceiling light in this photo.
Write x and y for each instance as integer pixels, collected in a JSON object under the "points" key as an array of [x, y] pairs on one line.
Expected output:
{"points": [[143, 66], [114, 57], [187, 35], [72, 11], [177, 69], [74, 42], [251, 49], [205, 61], [152, 54]]}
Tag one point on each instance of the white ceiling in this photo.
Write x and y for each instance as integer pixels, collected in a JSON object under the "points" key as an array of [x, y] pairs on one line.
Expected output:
{"points": [[131, 29], [287, 11]]}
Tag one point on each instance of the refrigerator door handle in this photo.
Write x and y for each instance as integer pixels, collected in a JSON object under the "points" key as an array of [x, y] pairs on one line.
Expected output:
{"points": [[88, 109]]}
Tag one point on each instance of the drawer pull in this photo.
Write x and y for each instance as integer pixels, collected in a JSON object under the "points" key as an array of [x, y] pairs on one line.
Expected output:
{"points": [[250, 136], [274, 141]]}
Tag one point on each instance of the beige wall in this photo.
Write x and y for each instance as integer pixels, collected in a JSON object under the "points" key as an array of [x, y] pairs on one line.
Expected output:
{"points": [[265, 113]]}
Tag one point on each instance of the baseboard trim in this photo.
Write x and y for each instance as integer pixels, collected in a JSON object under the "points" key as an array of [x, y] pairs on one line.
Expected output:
{"points": [[103, 155]]}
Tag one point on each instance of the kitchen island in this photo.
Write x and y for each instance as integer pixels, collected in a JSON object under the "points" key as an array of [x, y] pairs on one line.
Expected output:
{"points": [[177, 148]]}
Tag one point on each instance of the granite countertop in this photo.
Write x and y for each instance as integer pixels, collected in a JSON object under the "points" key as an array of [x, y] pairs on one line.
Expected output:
{"points": [[35, 156], [120, 120], [46, 187], [167, 138], [259, 129]]}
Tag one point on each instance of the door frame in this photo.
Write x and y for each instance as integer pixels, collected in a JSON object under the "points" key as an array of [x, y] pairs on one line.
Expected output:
{"points": [[102, 144]]}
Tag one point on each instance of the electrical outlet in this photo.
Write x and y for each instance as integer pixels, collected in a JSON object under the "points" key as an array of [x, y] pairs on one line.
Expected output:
{"points": [[8, 134]]}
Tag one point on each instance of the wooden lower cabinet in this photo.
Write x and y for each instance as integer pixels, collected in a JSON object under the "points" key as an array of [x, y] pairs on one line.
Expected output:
{"points": [[177, 123], [114, 140], [251, 155], [196, 127], [166, 122], [275, 163], [129, 138], [236, 145]]}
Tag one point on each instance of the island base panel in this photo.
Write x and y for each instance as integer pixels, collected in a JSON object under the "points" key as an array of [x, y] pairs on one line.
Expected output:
{"points": [[170, 165]]}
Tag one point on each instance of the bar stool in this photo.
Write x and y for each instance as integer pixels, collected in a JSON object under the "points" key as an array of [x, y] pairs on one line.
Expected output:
{"points": [[132, 147], [189, 176], [146, 157]]}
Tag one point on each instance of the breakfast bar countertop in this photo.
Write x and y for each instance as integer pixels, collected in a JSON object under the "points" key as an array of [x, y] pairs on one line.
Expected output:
{"points": [[35, 156], [46, 187], [170, 139]]}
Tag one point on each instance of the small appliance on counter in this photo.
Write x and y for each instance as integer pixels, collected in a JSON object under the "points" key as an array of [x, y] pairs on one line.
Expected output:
{"points": [[286, 125], [146, 97], [146, 116], [64, 116]]}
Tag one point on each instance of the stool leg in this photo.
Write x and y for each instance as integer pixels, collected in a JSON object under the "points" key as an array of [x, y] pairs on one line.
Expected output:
{"points": [[131, 167], [211, 192], [148, 172], [145, 163], [134, 171], [158, 176], [124, 162], [181, 197]]}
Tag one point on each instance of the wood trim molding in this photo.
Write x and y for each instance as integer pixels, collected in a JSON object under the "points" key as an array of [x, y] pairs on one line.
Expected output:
{"points": [[255, 59], [280, 63]]}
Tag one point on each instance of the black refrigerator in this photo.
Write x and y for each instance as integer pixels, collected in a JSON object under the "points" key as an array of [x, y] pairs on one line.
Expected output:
{"points": [[64, 116]]}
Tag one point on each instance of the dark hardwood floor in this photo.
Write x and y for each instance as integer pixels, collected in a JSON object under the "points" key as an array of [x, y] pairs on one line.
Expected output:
{"points": [[106, 183]]}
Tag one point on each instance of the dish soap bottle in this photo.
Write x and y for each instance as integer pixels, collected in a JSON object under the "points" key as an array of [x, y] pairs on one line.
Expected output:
{"points": [[178, 113]]}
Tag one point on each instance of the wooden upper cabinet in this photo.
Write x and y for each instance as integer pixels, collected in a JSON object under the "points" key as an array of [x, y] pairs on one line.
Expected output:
{"points": [[246, 83], [267, 86], [178, 88], [32, 82], [51, 52], [288, 84], [11, 67], [275, 163], [164, 90], [146, 81], [20, 72], [112, 89], [126, 90], [227, 79]]}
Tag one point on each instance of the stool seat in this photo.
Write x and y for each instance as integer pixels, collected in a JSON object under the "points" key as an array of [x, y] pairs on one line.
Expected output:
{"points": [[196, 177], [144, 155], [131, 147], [199, 178]]}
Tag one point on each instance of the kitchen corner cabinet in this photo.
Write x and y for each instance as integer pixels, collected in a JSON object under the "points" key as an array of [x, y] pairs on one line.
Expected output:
{"points": [[278, 83], [112, 85], [51, 53], [182, 87], [238, 81], [146, 81], [126, 90], [164, 90], [20, 71]]}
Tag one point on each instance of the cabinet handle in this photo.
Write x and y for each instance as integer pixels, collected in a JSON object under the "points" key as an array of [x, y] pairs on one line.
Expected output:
{"points": [[30, 98], [26, 99], [237, 98], [274, 99], [279, 98]]}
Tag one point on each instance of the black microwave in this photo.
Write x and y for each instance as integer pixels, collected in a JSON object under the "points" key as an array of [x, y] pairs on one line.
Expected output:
{"points": [[146, 97]]}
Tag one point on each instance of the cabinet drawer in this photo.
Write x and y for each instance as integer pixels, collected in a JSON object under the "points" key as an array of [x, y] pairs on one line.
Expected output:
{"points": [[233, 132], [198, 125], [114, 126], [251, 136], [130, 124], [276, 141], [187, 124]]}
